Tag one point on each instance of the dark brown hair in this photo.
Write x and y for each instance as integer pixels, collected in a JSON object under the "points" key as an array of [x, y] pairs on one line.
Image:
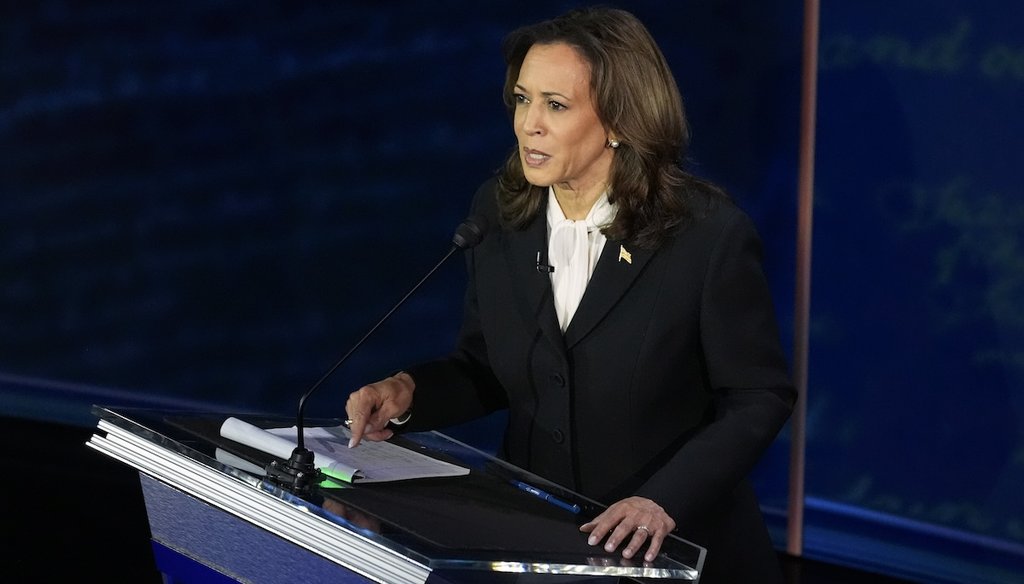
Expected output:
{"points": [[637, 99]]}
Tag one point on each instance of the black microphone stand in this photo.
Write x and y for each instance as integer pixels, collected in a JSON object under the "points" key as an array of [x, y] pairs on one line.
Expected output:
{"points": [[298, 474]]}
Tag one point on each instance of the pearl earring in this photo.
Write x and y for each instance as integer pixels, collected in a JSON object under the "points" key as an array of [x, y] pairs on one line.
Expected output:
{"points": [[613, 144]]}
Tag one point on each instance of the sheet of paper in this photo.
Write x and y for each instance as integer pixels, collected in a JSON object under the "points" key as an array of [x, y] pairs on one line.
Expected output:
{"points": [[370, 462], [280, 444], [375, 462]]}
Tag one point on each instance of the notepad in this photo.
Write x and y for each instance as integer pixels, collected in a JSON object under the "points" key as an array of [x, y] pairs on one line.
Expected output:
{"points": [[370, 462]]}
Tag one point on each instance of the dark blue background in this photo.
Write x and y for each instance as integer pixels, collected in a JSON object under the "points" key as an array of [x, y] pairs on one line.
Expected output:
{"points": [[213, 201], [206, 204]]}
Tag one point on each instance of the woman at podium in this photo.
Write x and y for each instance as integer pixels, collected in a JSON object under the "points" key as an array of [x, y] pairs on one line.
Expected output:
{"points": [[617, 308]]}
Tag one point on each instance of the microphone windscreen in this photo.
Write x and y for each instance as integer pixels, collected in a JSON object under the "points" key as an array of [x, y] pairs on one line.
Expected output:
{"points": [[470, 232]]}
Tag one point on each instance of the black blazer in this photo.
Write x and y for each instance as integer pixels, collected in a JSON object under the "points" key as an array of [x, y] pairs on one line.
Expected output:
{"points": [[669, 382]]}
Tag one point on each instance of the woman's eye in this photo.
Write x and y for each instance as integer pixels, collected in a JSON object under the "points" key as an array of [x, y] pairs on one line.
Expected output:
{"points": [[520, 98], [554, 105]]}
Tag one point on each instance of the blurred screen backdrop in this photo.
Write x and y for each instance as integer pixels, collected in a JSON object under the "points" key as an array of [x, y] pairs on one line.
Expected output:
{"points": [[205, 204]]}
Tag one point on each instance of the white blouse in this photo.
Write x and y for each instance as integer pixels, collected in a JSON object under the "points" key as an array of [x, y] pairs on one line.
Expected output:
{"points": [[573, 250]]}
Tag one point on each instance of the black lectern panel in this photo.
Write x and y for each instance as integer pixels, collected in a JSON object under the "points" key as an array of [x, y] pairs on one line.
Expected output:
{"points": [[428, 508], [478, 523]]}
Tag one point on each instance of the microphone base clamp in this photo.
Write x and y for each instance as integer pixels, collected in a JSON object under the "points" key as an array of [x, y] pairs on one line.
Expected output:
{"points": [[297, 475]]}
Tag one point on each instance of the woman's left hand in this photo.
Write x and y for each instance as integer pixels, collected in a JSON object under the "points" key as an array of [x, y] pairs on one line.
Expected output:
{"points": [[635, 521]]}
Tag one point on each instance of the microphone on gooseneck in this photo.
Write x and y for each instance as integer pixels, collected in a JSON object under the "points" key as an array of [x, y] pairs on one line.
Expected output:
{"points": [[299, 475]]}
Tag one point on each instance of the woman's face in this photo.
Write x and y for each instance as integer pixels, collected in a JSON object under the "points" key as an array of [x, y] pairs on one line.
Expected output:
{"points": [[561, 140]]}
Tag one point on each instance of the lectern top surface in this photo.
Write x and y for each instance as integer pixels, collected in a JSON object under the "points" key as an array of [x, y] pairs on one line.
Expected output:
{"points": [[497, 517]]}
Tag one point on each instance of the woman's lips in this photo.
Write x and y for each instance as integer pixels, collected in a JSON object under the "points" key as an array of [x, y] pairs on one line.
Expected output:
{"points": [[534, 157]]}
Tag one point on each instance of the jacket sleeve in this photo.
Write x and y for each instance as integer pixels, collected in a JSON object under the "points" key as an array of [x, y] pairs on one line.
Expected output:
{"points": [[753, 395]]}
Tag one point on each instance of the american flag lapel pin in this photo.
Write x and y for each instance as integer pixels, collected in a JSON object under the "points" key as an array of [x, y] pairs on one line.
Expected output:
{"points": [[625, 255]]}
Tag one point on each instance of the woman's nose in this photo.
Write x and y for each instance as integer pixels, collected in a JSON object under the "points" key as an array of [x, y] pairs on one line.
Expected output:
{"points": [[532, 120]]}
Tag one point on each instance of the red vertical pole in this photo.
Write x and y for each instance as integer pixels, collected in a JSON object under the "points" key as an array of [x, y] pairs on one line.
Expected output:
{"points": [[802, 300]]}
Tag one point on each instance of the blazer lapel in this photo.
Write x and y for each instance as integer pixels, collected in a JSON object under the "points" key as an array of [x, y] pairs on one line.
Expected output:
{"points": [[533, 292], [619, 265]]}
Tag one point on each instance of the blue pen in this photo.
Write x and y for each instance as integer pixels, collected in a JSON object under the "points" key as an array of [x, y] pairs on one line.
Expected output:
{"points": [[546, 496]]}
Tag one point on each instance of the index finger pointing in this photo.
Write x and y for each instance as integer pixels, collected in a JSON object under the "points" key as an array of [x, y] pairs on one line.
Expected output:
{"points": [[357, 425], [358, 417]]}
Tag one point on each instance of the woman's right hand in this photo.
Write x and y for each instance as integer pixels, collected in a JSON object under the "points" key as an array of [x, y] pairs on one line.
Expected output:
{"points": [[372, 406]]}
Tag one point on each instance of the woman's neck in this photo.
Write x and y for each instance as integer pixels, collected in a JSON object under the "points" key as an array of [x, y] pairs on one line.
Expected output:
{"points": [[576, 203]]}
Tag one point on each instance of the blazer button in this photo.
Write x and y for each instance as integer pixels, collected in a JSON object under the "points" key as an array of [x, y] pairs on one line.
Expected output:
{"points": [[557, 379], [557, 436]]}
